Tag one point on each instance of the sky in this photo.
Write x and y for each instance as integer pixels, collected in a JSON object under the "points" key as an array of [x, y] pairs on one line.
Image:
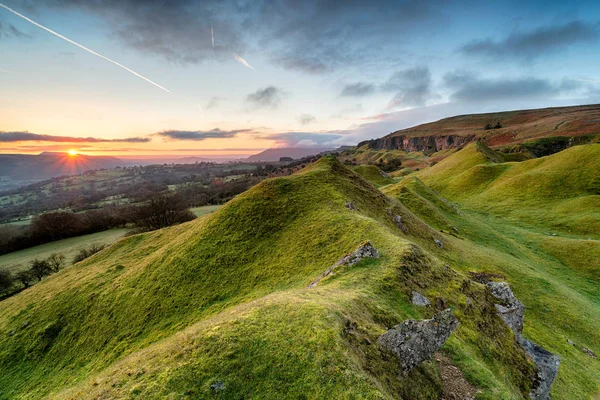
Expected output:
{"points": [[209, 78]]}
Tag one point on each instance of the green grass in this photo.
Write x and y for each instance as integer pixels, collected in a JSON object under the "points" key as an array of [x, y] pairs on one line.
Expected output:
{"points": [[19, 260], [200, 211], [373, 174], [224, 298]]}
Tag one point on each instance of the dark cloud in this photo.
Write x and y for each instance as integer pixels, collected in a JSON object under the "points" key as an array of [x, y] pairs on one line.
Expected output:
{"points": [[358, 89], [306, 119], [312, 36], [10, 31], [412, 87], [268, 97], [469, 87], [200, 135], [532, 44], [6, 137]]}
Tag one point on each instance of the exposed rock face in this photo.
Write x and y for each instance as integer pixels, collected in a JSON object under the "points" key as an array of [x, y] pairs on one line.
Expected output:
{"points": [[399, 223], [419, 300], [365, 250], [350, 206], [513, 312], [416, 341], [547, 367], [426, 144]]}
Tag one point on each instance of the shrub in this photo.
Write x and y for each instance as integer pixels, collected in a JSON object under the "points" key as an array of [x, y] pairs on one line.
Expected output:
{"points": [[6, 281], [162, 211], [25, 278], [40, 269]]}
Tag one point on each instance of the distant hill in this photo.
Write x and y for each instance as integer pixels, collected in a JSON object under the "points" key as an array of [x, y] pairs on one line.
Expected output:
{"points": [[495, 129], [276, 153], [46, 165]]}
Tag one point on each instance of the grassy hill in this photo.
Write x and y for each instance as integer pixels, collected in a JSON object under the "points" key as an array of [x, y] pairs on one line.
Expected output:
{"points": [[220, 307]]}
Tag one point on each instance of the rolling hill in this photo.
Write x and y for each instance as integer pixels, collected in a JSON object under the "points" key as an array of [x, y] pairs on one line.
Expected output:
{"points": [[558, 128], [221, 307]]}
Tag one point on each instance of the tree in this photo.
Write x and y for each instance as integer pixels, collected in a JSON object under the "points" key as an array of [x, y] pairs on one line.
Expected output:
{"points": [[6, 281], [55, 225], [162, 211], [55, 261], [40, 269], [25, 277]]}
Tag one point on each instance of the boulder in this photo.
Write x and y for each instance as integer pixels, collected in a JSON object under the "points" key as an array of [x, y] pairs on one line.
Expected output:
{"points": [[547, 367], [350, 206], [512, 311], [413, 342], [399, 223], [365, 250], [546, 363], [419, 300], [438, 243]]}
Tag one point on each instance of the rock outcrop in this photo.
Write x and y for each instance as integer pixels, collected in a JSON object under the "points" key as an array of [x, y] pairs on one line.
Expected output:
{"points": [[419, 300], [365, 250], [427, 144], [416, 341], [512, 312]]}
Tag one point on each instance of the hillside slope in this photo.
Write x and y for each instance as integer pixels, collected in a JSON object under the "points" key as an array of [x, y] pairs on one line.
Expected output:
{"points": [[565, 124], [220, 307]]}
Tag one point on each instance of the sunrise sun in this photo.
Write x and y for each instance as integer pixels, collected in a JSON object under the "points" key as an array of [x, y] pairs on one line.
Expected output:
{"points": [[72, 152]]}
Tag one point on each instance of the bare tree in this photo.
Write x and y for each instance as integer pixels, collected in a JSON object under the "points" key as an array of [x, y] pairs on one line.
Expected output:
{"points": [[25, 277], [55, 261], [6, 281], [162, 211]]}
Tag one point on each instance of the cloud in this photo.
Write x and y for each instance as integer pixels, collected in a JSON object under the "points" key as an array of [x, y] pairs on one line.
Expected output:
{"points": [[413, 87], [268, 97], [8, 31], [200, 135], [213, 103], [532, 44], [312, 36], [306, 119], [7, 137], [469, 87], [358, 89], [303, 139]]}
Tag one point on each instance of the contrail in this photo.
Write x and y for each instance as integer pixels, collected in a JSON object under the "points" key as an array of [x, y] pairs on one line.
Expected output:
{"points": [[84, 48], [212, 34], [243, 62]]}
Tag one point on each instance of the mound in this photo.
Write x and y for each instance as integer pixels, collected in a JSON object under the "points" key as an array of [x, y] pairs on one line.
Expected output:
{"points": [[221, 307], [373, 174]]}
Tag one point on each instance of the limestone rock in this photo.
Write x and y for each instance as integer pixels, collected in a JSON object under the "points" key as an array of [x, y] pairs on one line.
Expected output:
{"points": [[547, 367], [419, 300], [365, 250], [416, 341], [350, 206], [513, 311], [438, 243]]}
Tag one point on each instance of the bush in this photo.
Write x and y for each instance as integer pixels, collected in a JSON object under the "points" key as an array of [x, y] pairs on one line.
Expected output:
{"points": [[40, 269], [162, 211], [6, 281], [26, 278], [87, 252]]}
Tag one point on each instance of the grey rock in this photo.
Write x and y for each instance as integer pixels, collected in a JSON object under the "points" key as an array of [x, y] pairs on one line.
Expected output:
{"points": [[25, 324], [416, 341], [419, 300], [12, 333], [399, 223], [547, 367], [350, 206], [438, 243], [365, 250], [218, 386], [513, 311], [569, 341], [589, 352]]}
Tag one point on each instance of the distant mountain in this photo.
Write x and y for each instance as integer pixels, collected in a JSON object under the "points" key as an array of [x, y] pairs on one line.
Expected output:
{"points": [[276, 153], [24, 167]]}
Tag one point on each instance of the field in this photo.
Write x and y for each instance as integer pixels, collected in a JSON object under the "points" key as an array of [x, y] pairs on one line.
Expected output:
{"points": [[19, 260]]}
